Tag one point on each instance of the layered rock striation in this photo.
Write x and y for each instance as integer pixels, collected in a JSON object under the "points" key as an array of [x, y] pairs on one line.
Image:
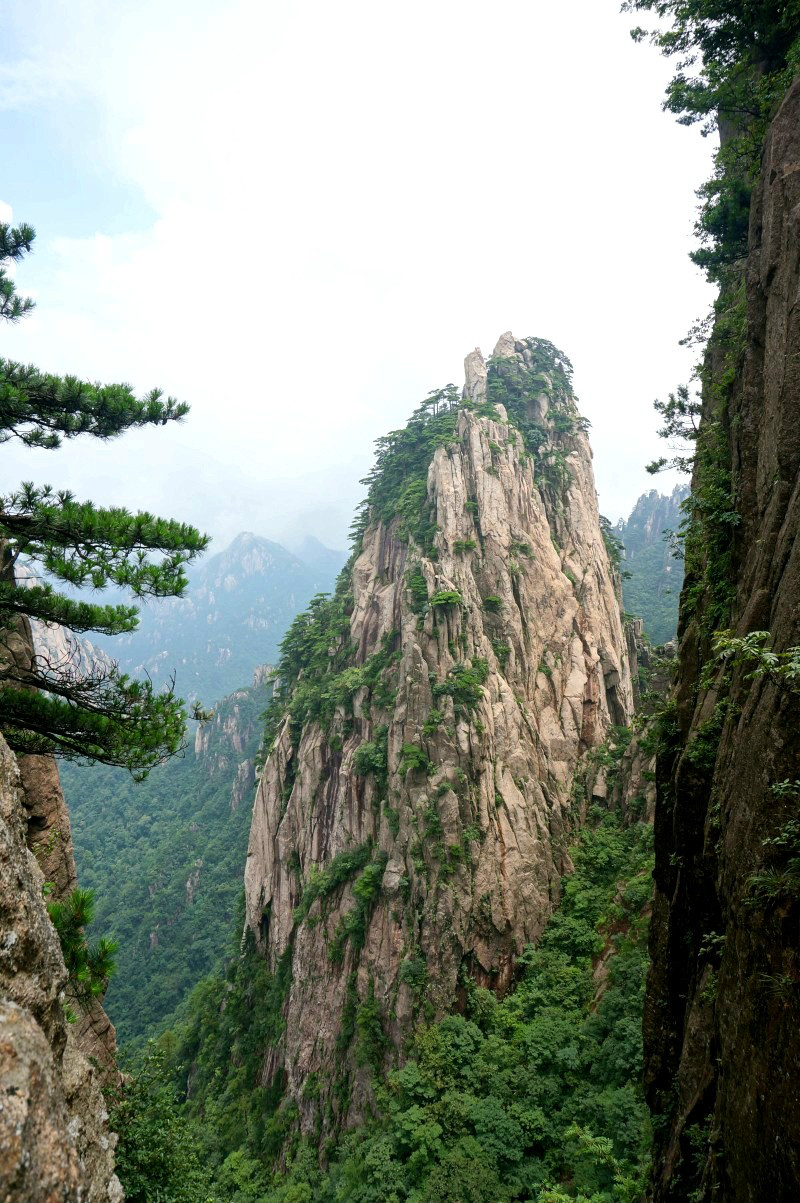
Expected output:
{"points": [[411, 823]]}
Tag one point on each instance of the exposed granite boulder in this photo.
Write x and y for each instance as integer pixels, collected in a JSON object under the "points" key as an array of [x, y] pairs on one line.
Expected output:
{"points": [[38, 1160], [49, 832], [475, 376], [471, 832], [32, 972]]}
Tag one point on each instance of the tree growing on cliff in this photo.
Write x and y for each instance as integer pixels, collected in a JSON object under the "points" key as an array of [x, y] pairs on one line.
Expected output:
{"points": [[89, 966], [735, 61], [681, 417], [734, 64], [52, 705]]}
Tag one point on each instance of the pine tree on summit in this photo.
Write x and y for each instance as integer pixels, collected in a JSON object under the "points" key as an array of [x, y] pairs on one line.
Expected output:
{"points": [[56, 707]]}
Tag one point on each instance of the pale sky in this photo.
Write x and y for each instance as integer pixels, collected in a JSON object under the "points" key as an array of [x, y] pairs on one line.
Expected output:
{"points": [[301, 216]]}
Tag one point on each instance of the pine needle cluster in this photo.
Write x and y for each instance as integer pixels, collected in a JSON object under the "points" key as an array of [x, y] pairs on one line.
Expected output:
{"points": [[52, 705]]}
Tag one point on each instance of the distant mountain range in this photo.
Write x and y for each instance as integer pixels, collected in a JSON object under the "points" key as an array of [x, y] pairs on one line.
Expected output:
{"points": [[165, 857], [652, 590], [231, 619]]}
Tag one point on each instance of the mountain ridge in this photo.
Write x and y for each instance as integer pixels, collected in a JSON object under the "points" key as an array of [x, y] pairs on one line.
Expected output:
{"points": [[231, 619], [652, 563]]}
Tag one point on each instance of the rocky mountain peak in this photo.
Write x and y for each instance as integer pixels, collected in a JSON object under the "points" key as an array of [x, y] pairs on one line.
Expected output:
{"points": [[411, 821], [475, 377]]}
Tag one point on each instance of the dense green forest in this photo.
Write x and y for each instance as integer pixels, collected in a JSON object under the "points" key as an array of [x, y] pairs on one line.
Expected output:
{"points": [[533, 1097], [164, 858]]}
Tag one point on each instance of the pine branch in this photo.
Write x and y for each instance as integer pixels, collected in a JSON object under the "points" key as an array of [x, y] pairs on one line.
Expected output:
{"points": [[82, 544], [42, 603], [124, 723], [41, 409], [15, 241], [54, 705]]}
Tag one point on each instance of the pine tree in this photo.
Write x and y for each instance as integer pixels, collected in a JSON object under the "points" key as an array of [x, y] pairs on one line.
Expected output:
{"points": [[57, 707], [89, 965]]}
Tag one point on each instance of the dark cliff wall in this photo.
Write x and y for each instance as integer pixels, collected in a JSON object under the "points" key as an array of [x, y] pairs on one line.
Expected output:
{"points": [[722, 1018]]}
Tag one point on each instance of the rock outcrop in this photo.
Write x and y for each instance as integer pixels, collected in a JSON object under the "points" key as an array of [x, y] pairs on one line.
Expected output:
{"points": [[48, 829], [54, 1141], [223, 741], [419, 833], [722, 1019], [652, 514]]}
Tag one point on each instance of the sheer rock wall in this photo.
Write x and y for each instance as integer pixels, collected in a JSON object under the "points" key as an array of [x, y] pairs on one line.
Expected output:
{"points": [[722, 1018], [54, 1142]]}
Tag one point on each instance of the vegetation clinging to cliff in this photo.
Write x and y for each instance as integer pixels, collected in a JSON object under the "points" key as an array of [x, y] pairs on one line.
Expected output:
{"points": [[535, 1097], [89, 966], [725, 845], [736, 62], [317, 670]]}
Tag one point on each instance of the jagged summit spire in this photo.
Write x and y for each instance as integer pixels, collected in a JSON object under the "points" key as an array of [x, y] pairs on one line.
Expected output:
{"points": [[475, 377], [412, 814], [475, 370], [505, 347]]}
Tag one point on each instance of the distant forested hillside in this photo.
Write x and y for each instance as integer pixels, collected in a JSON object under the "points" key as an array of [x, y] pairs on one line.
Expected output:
{"points": [[653, 588], [165, 858]]}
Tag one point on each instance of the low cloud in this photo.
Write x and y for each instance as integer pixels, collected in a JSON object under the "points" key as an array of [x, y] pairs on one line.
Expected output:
{"points": [[335, 204]]}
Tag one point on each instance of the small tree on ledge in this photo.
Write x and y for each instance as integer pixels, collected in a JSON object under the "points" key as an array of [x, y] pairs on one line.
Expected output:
{"points": [[56, 706]]}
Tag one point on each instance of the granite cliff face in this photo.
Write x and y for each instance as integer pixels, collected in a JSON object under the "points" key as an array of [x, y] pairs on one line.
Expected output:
{"points": [[54, 1141], [722, 1019], [417, 831]]}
